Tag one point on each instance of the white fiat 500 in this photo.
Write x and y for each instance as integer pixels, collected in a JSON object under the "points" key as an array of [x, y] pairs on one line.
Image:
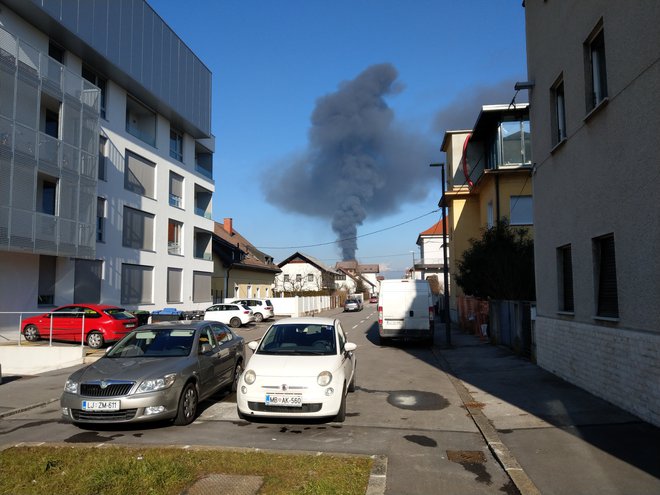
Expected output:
{"points": [[302, 367]]}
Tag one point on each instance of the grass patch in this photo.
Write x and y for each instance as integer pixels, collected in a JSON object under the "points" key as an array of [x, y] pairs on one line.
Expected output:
{"points": [[74, 470]]}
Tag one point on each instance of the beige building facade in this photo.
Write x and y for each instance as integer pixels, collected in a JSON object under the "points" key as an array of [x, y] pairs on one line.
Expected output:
{"points": [[595, 115]]}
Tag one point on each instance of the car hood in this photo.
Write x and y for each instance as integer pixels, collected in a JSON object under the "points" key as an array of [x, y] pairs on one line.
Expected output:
{"points": [[133, 369], [291, 365]]}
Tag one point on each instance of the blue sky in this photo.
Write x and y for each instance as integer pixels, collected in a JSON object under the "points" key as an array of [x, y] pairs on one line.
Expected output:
{"points": [[272, 61]]}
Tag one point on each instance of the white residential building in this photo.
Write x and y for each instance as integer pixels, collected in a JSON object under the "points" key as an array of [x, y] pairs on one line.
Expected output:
{"points": [[105, 159], [304, 273]]}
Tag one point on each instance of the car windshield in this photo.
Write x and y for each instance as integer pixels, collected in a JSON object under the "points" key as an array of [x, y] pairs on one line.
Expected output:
{"points": [[118, 313], [299, 339], [171, 342]]}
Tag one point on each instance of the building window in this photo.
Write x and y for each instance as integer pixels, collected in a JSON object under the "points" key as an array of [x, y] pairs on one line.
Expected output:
{"points": [[176, 190], [174, 230], [46, 194], [47, 276], [202, 287], [100, 219], [174, 277], [176, 145], [140, 175], [138, 229], [605, 277], [136, 284], [102, 170], [92, 76], [490, 219], [565, 274], [298, 278], [559, 112], [595, 68], [286, 278], [310, 277], [140, 121], [515, 143], [56, 52], [521, 210], [87, 281]]}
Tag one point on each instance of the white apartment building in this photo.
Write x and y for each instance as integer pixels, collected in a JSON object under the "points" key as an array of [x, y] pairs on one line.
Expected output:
{"points": [[105, 159], [595, 119]]}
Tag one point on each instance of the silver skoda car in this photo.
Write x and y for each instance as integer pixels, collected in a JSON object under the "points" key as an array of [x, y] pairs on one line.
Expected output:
{"points": [[156, 372]]}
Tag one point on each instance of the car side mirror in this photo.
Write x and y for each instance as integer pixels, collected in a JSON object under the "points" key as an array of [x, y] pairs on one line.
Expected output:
{"points": [[253, 344], [204, 348], [350, 346]]}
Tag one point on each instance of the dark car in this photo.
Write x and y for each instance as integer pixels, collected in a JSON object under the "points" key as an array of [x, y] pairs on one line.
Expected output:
{"points": [[159, 371], [102, 324]]}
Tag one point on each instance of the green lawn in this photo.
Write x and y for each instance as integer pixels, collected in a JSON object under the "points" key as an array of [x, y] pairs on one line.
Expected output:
{"points": [[73, 470]]}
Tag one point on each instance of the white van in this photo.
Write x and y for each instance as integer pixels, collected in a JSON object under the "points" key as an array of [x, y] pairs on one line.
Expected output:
{"points": [[405, 310]]}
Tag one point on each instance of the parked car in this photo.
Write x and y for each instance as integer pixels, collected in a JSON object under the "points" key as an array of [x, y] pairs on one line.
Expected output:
{"points": [[158, 371], [373, 299], [233, 314], [353, 305], [262, 309], [102, 324], [301, 367]]}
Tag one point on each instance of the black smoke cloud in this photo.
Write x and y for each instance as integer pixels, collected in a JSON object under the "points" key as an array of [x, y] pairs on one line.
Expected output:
{"points": [[359, 162]]}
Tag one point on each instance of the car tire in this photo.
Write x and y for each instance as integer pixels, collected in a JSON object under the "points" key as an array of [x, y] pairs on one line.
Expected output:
{"points": [[241, 415], [187, 409], [258, 317], [351, 386], [95, 340], [238, 371], [31, 333], [235, 322], [341, 415]]}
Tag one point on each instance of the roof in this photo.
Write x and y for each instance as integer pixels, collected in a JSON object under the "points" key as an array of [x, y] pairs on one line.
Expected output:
{"points": [[309, 259], [253, 259], [354, 266], [435, 230]]}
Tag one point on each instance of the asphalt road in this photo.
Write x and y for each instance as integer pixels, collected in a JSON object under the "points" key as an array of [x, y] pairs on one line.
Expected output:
{"points": [[405, 407]]}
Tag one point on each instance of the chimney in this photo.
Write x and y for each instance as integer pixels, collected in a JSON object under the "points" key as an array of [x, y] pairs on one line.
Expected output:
{"points": [[228, 226]]}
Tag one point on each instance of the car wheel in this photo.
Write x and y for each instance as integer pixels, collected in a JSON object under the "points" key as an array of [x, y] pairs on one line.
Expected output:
{"points": [[258, 317], [235, 322], [341, 415], [238, 371], [187, 406], [31, 333], [431, 339], [95, 340], [351, 386]]}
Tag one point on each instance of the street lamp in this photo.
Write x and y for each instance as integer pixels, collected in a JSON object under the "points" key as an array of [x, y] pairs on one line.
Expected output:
{"points": [[443, 203], [412, 273]]}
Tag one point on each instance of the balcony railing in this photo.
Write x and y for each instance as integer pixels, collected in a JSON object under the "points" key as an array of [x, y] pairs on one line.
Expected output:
{"points": [[203, 213], [173, 247], [176, 201]]}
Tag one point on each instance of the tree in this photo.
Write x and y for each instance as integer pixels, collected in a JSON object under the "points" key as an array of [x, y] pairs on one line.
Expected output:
{"points": [[500, 265]]}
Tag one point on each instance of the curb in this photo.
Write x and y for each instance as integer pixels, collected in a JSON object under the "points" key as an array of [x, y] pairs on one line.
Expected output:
{"points": [[27, 408]]}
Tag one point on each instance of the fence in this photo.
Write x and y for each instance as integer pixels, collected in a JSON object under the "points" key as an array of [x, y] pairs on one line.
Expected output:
{"points": [[473, 315], [303, 305], [19, 318], [511, 325]]}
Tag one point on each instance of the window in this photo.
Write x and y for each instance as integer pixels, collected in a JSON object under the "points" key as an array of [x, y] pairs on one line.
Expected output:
{"points": [[595, 68], [515, 143], [174, 229], [138, 229], [136, 284], [176, 145], [298, 277], [559, 113], [140, 175], [286, 277], [176, 190], [201, 287], [490, 220], [46, 194], [102, 172], [605, 277], [521, 210], [565, 274], [174, 276], [47, 275], [100, 219], [50, 116], [87, 281], [92, 76], [140, 121], [56, 52], [310, 277]]}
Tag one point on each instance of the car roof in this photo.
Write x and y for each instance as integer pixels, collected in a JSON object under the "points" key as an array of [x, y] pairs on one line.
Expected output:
{"points": [[309, 320], [161, 325]]}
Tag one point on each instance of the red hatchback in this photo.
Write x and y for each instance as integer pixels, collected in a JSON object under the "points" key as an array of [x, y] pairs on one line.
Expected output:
{"points": [[102, 324]]}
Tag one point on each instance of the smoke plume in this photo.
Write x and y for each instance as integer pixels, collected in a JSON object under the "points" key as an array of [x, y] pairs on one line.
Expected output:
{"points": [[359, 162]]}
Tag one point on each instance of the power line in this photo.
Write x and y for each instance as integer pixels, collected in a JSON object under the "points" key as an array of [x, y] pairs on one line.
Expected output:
{"points": [[351, 238]]}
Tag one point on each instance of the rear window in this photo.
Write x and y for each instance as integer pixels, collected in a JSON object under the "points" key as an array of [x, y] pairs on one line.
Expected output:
{"points": [[268, 303], [118, 314]]}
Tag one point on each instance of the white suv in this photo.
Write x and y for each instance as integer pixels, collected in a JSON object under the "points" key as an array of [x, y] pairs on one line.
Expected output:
{"points": [[261, 308], [233, 314]]}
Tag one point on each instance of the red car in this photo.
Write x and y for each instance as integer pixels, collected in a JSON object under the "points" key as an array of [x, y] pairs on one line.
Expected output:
{"points": [[103, 324]]}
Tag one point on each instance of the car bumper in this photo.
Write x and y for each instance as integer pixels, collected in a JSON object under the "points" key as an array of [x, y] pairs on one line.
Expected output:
{"points": [[132, 409], [315, 404]]}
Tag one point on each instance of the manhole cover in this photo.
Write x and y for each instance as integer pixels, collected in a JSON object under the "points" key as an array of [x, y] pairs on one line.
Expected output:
{"points": [[463, 456]]}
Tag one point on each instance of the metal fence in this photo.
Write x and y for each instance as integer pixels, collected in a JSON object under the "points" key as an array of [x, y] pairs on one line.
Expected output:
{"points": [[21, 314]]}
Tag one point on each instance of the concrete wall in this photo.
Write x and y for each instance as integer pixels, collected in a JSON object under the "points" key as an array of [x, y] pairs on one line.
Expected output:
{"points": [[29, 360]]}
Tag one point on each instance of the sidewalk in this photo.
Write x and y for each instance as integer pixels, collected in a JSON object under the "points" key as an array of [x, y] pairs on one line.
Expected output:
{"points": [[563, 439]]}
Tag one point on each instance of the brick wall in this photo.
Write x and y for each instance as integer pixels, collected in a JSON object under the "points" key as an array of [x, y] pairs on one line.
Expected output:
{"points": [[621, 366]]}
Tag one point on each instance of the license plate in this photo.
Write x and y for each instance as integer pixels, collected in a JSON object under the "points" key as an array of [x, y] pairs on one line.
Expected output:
{"points": [[100, 405], [290, 400]]}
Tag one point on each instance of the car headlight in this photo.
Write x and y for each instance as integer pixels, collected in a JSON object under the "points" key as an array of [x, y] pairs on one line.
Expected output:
{"points": [[324, 378], [249, 376], [71, 387], [157, 383]]}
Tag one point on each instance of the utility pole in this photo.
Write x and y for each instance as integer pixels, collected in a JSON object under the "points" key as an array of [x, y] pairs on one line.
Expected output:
{"points": [[443, 204]]}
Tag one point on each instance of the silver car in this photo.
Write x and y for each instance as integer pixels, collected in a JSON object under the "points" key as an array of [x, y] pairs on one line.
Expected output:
{"points": [[156, 372]]}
